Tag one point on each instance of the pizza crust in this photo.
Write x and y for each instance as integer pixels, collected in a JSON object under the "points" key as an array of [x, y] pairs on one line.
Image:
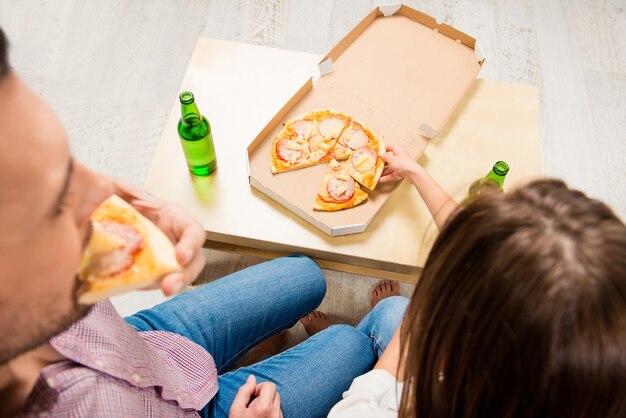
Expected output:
{"points": [[151, 263]]}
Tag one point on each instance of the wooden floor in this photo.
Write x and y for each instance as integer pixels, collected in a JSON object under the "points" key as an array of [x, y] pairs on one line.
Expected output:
{"points": [[111, 68]]}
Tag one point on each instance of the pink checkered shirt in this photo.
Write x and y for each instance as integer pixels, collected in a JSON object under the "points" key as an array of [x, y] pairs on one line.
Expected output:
{"points": [[114, 371]]}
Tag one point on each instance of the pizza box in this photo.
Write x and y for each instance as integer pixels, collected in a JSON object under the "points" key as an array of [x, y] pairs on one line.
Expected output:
{"points": [[398, 71]]}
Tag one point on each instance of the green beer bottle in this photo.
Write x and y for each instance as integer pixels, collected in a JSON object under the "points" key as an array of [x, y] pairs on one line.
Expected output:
{"points": [[195, 136], [492, 181]]}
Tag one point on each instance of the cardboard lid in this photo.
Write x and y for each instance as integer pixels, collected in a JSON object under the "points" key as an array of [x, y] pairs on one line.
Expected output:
{"points": [[401, 74]]}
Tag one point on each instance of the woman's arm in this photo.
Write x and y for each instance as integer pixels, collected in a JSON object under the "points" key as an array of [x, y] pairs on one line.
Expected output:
{"points": [[401, 165], [390, 359]]}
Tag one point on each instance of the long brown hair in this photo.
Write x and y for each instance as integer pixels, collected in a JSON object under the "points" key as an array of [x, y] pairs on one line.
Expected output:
{"points": [[520, 311]]}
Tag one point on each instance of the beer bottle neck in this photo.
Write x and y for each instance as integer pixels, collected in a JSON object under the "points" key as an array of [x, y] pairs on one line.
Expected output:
{"points": [[498, 173], [190, 115]]}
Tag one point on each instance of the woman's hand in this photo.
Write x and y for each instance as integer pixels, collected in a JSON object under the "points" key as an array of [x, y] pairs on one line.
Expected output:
{"points": [[256, 400], [185, 232], [399, 165]]}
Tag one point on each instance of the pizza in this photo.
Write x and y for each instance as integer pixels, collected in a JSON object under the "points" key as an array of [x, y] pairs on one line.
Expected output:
{"points": [[327, 135], [338, 190], [307, 140], [125, 252]]}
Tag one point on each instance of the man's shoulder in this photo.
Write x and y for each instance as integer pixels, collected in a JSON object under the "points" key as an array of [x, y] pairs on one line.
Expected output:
{"points": [[71, 389], [68, 388]]}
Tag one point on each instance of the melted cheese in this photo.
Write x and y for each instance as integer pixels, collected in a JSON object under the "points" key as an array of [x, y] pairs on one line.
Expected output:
{"points": [[361, 160], [341, 189], [294, 146]]}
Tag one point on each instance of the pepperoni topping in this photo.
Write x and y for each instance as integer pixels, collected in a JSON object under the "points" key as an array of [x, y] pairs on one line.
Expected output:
{"points": [[105, 265], [357, 139], [116, 261], [303, 127], [364, 159], [331, 127], [290, 151], [131, 237], [340, 188]]}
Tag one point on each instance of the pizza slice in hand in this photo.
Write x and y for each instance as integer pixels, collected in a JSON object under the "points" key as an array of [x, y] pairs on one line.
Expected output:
{"points": [[126, 251], [360, 147], [366, 166], [338, 190]]}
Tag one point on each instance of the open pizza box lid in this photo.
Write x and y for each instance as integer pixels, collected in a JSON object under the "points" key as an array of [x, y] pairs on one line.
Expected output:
{"points": [[399, 72]]}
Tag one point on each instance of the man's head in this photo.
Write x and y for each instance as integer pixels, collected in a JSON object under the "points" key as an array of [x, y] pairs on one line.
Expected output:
{"points": [[46, 198], [520, 310]]}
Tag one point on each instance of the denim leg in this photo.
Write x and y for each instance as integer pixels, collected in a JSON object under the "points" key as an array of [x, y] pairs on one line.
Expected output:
{"points": [[309, 377], [231, 315], [383, 321]]}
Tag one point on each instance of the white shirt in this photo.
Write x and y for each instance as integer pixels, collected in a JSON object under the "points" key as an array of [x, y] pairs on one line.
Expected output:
{"points": [[375, 394]]}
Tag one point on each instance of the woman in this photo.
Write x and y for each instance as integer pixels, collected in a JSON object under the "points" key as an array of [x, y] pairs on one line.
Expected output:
{"points": [[520, 311]]}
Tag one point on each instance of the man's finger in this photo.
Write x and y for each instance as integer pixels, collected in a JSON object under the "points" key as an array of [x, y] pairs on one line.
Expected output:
{"points": [[190, 237], [176, 282], [266, 391], [276, 412], [173, 284], [244, 394]]}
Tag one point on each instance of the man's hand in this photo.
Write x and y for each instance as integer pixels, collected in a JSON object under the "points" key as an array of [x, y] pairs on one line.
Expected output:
{"points": [[182, 229], [256, 400], [399, 165]]}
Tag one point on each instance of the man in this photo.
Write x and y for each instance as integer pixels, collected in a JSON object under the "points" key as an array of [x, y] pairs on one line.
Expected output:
{"points": [[58, 358]]}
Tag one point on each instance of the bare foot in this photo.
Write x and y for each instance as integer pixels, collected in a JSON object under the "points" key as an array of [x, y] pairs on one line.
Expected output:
{"points": [[315, 322], [384, 290], [265, 349]]}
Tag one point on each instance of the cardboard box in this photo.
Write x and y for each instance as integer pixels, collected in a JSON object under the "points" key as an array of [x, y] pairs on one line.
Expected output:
{"points": [[401, 73]]}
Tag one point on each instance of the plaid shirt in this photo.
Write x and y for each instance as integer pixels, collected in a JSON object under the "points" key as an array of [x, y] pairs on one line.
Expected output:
{"points": [[114, 371]]}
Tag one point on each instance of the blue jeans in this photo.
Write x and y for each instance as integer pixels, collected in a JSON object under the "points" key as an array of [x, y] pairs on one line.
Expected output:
{"points": [[231, 315]]}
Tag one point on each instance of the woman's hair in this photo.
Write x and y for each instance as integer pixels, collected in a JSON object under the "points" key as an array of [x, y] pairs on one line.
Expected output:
{"points": [[520, 311], [4, 59]]}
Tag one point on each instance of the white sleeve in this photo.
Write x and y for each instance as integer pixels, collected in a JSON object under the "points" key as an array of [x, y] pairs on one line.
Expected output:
{"points": [[375, 394]]}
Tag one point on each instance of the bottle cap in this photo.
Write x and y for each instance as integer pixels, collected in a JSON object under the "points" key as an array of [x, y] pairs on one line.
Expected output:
{"points": [[500, 168], [186, 97]]}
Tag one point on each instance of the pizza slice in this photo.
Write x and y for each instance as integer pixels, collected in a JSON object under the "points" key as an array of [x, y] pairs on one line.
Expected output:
{"points": [[338, 190], [366, 166], [125, 252], [307, 140], [360, 147]]}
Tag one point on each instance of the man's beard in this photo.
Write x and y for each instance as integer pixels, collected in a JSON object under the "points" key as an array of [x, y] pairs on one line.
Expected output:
{"points": [[39, 331]]}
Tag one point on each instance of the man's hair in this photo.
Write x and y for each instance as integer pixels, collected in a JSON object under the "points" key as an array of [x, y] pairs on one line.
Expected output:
{"points": [[4, 55], [520, 311]]}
